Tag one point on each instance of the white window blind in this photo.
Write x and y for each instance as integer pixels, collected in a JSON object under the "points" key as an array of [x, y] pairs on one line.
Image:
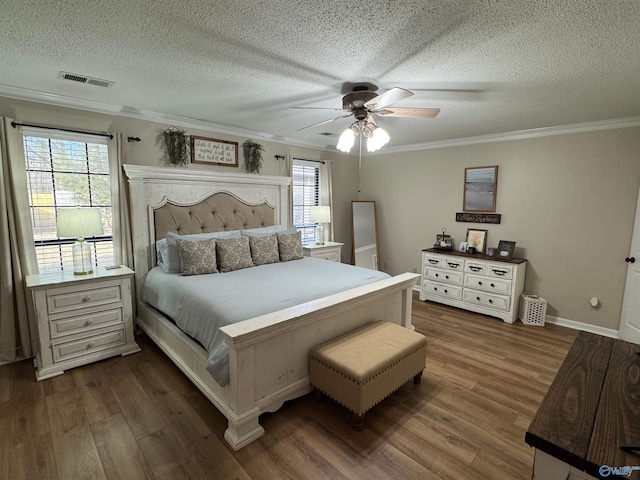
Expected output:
{"points": [[67, 170], [306, 193]]}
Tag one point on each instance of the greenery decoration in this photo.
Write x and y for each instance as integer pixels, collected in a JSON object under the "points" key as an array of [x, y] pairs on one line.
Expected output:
{"points": [[174, 142], [252, 156]]}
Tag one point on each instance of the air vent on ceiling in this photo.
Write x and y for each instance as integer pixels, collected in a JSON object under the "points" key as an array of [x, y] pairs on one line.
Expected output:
{"points": [[74, 77], [328, 134]]}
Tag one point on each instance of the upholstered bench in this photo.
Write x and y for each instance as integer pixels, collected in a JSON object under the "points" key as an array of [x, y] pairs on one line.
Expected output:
{"points": [[361, 368]]}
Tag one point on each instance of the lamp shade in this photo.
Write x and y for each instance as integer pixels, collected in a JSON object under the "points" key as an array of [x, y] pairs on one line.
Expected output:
{"points": [[79, 222], [320, 214], [346, 140]]}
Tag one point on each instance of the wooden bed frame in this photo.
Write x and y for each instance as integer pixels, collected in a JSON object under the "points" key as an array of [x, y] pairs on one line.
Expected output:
{"points": [[268, 354]]}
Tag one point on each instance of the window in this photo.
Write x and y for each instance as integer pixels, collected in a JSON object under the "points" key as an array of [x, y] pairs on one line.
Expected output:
{"points": [[67, 171], [306, 193]]}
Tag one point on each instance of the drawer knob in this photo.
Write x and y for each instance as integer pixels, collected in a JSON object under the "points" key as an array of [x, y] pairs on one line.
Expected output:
{"points": [[447, 277], [479, 283], [86, 298], [437, 275], [435, 289], [490, 301], [478, 298], [446, 291], [91, 344], [88, 322]]}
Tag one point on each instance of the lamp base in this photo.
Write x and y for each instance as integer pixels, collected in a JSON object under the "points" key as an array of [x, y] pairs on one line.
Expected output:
{"points": [[82, 264], [320, 234]]}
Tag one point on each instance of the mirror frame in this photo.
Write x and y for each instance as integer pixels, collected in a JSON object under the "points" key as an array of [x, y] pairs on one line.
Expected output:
{"points": [[375, 226]]}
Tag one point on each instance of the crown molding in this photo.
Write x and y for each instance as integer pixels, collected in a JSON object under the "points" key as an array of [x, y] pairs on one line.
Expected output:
{"points": [[19, 93], [616, 123]]}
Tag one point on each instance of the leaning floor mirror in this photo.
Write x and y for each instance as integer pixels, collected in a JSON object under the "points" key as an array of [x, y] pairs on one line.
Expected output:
{"points": [[364, 229]]}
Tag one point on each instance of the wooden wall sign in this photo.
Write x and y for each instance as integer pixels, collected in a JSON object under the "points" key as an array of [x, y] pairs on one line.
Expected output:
{"points": [[214, 152], [478, 217]]}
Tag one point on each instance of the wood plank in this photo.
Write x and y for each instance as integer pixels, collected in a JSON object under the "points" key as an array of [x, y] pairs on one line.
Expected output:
{"points": [[5, 382], [141, 414], [76, 454], [30, 419], [215, 460], [6, 420], [166, 458], [618, 418], [563, 423], [120, 453], [33, 459]]}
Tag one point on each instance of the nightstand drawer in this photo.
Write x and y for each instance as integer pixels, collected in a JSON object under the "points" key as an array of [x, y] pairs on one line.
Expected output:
{"points": [[332, 256], [86, 323], [62, 300], [87, 345]]}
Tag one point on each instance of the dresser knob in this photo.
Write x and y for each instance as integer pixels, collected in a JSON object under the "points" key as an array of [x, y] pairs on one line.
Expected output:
{"points": [[91, 344], [630, 259], [88, 322], [492, 285], [478, 298], [479, 283], [86, 299], [446, 291]]}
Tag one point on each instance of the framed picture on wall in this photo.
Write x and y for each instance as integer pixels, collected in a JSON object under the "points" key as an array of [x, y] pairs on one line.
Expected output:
{"points": [[480, 187], [213, 151], [505, 249], [477, 239]]}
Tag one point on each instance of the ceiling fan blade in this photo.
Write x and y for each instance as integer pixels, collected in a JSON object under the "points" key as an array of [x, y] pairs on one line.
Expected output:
{"points": [[320, 108], [324, 121], [408, 112], [387, 98]]}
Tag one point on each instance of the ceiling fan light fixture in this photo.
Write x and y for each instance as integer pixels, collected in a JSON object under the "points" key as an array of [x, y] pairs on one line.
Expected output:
{"points": [[346, 140], [377, 140]]}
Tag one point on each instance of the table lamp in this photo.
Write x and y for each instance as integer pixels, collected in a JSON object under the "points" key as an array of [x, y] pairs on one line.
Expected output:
{"points": [[80, 223], [320, 214]]}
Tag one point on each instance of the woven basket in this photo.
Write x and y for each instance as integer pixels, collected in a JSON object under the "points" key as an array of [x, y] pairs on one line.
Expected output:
{"points": [[533, 309]]}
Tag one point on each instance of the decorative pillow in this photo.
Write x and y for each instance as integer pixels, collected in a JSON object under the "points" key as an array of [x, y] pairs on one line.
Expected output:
{"points": [[171, 261], [263, 230], [161, 252], [233, 253], [264, 249], [290, 246], [197, 258], [266, 231]]}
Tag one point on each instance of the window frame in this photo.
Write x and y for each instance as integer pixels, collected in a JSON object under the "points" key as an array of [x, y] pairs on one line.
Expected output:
{"points": [[63, 259]]}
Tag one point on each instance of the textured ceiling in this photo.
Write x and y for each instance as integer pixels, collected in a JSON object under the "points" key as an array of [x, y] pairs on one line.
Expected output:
{"points": [[492, 66]]}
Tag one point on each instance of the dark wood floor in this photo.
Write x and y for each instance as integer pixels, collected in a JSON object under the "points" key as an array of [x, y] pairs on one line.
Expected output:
{"points": [[138, 417]]}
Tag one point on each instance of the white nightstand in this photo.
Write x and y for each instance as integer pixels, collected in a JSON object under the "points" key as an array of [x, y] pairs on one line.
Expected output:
{"points": [[81, 318], [328, 251]]}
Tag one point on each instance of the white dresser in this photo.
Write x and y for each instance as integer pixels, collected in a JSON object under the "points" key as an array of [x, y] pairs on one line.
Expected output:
{"points": [[474, 282], [81, 319], [327, 251]]}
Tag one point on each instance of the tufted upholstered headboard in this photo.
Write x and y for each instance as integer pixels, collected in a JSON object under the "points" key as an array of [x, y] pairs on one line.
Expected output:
{"points": [[220, 211], [194, 201]]}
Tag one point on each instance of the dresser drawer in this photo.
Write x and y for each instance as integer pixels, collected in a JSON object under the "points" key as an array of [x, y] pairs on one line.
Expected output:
{"points": [[64, 299], [445, 276], [450, 291], [473, 266], [87, 345], [433, 261], [86, 323], [500, 271], [489, 284], [498, 302]]}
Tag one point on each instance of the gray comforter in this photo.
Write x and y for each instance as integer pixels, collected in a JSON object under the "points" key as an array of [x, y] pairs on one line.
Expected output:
{"points": [[201, 304]]}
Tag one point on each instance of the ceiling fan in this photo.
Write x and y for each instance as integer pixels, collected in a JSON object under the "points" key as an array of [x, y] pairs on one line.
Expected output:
{"points": [[363, 103]]}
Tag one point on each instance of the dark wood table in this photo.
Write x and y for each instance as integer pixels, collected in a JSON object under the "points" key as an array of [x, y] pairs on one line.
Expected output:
{"points": [[592, 407]]}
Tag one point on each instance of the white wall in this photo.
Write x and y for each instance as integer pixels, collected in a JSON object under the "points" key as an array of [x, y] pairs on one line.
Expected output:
{"points": [[568, 201]]}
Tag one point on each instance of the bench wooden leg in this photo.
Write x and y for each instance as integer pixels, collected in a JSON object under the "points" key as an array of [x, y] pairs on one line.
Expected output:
{"points": [[358, 422], [417, 378]]}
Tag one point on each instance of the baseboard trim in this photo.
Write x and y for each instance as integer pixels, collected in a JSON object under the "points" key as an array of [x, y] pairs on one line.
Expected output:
{"points": [[586, 327], [572, 324]]}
